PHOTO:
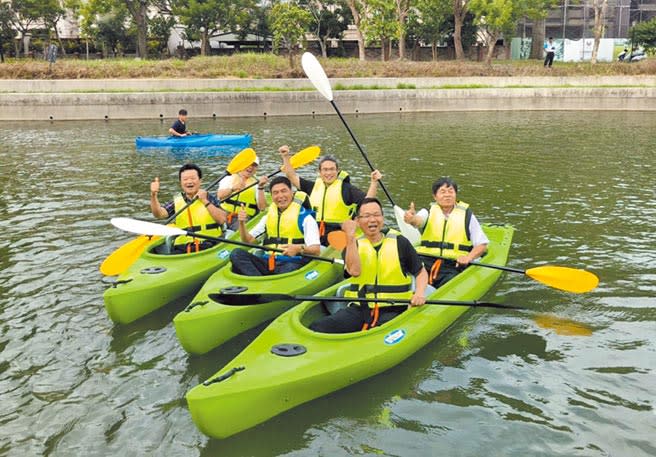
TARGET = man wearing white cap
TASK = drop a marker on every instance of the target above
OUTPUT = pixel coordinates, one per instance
(252, 198)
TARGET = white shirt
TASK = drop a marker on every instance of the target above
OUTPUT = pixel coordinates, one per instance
(228, 183)
(475, 231)
(550, 47)
(310, 230)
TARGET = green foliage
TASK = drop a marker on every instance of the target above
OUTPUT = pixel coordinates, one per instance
(644, 34)
(160, 30)
(429, 21)
(289, 22)
(379, 23)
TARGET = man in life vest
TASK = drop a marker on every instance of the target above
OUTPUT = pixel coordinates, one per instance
(252, 197)
(289, 224)
(381, 264)
(451, 235)
(202, 216)
(332, 195)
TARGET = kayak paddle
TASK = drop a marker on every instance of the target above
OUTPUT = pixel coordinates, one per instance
(119, 260)
(298, 160)
(319, 80)
(258, 299)
(563, 278)
(150, 228)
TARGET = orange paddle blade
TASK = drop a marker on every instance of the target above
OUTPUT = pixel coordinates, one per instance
(563, 326)
(305, 156)
(337, 240)
(119, 260)
(241, 161)
(564, 278)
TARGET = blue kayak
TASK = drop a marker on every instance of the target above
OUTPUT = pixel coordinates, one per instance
(194, 141)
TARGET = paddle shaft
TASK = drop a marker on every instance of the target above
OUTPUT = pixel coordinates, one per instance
(486, 265)
(264, 248)
(392, 301)
(364, 155)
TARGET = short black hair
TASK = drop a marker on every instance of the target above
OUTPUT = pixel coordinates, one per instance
(367, 200)
(444, 180)
(182, 112)
(551, 38)
(328, 158)
(280, 180)
(190, 166)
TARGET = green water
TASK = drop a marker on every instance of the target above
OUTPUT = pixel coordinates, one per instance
(578, 187)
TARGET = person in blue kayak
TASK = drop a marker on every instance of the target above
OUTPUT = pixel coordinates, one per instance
(332, 195)
(289, 224)
(252, 197)
(179, 127)
(202, 216)
(381, 264)
(451, 236)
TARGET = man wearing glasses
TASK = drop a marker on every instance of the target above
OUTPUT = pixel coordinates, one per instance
(332, 195)
(451, 235)
(381, 264)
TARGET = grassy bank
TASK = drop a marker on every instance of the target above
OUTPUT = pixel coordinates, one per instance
(260, 66)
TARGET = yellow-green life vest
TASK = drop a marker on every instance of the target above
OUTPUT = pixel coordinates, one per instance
(201, 220)
(327, 201)
(283, 227)
(447, 237)
(381, 275)
(248, 197)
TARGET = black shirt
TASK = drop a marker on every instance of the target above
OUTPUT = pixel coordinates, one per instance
(410, 262)
(350, 193)
(179, 126)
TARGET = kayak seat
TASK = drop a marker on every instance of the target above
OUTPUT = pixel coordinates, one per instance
(333, 306)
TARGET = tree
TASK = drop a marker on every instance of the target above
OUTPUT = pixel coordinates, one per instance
(460, 9)
(430, 24)
(288, 23)
(7, 33)
(160, 30)
(52, 13)
(139, 11)
(26, 13)
(358, 7)
(402, 8)
(644, 34)
(330, 19)
(599, 7)
(379, 25)
(494, 19)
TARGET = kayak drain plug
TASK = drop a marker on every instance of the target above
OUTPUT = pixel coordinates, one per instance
(288, 350)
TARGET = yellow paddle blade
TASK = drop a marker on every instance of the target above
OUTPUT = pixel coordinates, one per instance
(119, 260)
(241, 161)
(305, 156)
(337, 240)
(563, 326)
(564, 278)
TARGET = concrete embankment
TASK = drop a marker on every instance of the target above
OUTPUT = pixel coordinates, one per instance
(143, 99)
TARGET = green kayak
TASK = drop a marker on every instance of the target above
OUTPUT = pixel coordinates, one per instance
(155, 279)
(205, 324)
(288, 364)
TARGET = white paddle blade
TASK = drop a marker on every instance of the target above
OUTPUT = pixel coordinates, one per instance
(407, 230)
(317, 76)
(144, 228)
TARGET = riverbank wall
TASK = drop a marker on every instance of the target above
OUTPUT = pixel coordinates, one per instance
(147, 98)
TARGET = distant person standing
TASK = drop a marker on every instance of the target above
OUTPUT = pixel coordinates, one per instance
(550, 49)
(179, 127)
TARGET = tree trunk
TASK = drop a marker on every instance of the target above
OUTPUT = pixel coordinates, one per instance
(457, 37)
(537, 45)
(491, 44)
(141, 19)
(434, 51)
(401, 45)
(356, 21)
(600, 7)
(323, 45)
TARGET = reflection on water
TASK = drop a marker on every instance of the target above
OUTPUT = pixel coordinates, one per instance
(578, 187)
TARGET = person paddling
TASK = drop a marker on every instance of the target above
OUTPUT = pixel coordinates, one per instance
(179, 127)
(253, 198)
(332, 195)
(449, 230)
(381, 264)
(203, 215)
(289, 224)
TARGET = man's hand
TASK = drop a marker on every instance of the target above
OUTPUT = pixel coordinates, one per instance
(291, 250)
(409, 215)
(202, 196)
(376, 176)
(154, 186)
(349, 226)
(284, 151)
(417, 300)
(242, 216)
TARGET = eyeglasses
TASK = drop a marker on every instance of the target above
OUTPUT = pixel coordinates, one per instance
(370, 215)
